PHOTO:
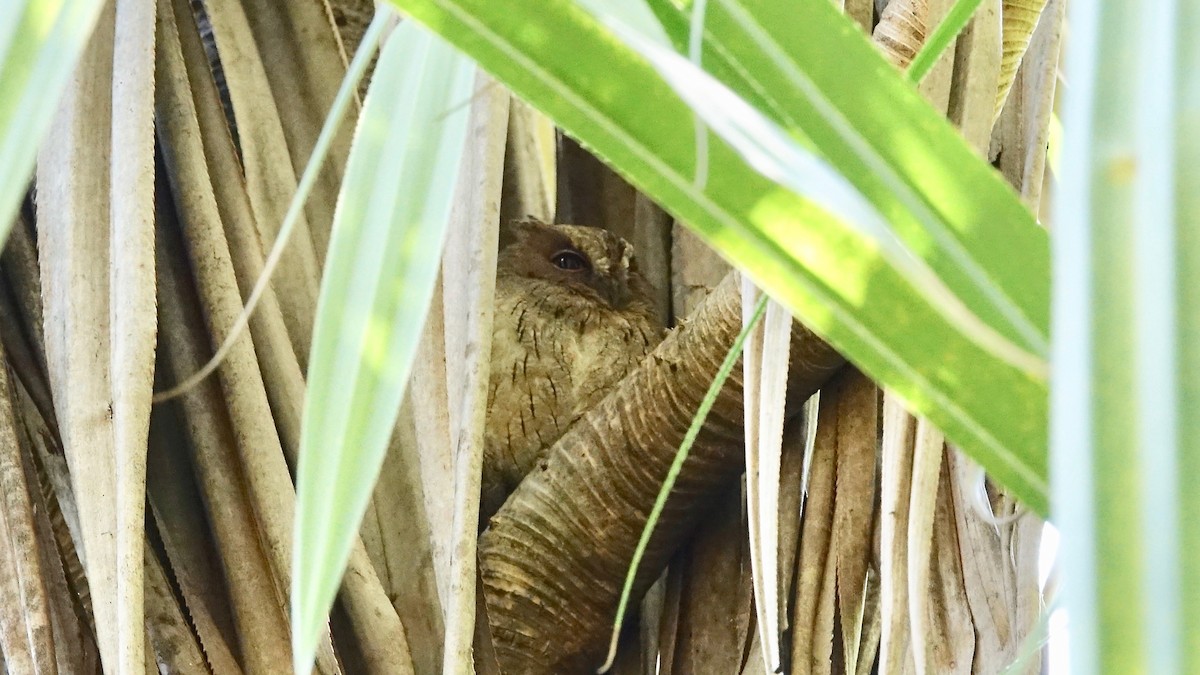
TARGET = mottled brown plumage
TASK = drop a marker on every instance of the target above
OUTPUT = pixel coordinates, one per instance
(573, 316)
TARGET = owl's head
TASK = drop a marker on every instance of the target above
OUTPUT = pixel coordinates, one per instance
(589, 261)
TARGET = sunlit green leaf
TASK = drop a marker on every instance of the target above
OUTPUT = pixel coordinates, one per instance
(379, 278)
(1126, 406)
(945, 206)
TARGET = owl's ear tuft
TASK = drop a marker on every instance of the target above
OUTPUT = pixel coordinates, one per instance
(514, 230)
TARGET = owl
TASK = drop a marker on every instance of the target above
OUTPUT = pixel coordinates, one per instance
(573, 316)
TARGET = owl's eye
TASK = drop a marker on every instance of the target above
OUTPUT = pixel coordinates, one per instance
(569, 260)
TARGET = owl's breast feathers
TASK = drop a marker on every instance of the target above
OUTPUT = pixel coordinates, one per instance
(555, 353)
(553, 358)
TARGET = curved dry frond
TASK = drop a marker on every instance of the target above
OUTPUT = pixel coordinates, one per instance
(1020, 19)
(898, 438)
(259, 617)
(837, 546)
(999, 567)
(58, 531)
(816, 566)
(270, 178)
(169, 633)
(708, 609)
(764, 375)
(901, 30)
(1022, 125)
(304, 62)
(182, 541)
(204, 171)
(26, 634)
(133, 319)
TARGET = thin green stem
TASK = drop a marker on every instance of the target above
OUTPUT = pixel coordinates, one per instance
(946, 32)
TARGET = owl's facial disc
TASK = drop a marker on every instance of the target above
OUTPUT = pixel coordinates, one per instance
(581, 274)
(589, 262)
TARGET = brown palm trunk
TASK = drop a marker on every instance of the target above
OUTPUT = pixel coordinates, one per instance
(554, 558)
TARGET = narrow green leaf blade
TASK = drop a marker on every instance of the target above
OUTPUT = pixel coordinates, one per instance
(1124, 399)
(985, 246)
(1186, 131)
(383, 261)
(40, 42)
(948, 206)
(899, 152)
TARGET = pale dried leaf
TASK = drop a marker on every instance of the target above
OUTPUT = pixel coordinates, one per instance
(976, 76)
(651, 239)
(468, 286)
(1022, 125)
(194, 126)
(425, 418)
(862, 11)
(382, 639)
(241, 380)
(716, 594)
(926, 468)
(823, 628)
(304, 64)
(854, 505)
(951, 638)
(791, 496)
(266, 161)
(811, 640)
(255, 602)
(765, 367)
(935, 86)
(988, 573)
(895, 487)
(396, 532)
(1025, 548)
(57, 527)
(371, 614)
(696, 269)
(669, 621)
(133, 329)
(872, 626)
(650, 624)
(529, 165)
(999, 598)
(73, 180)
(190, 559)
